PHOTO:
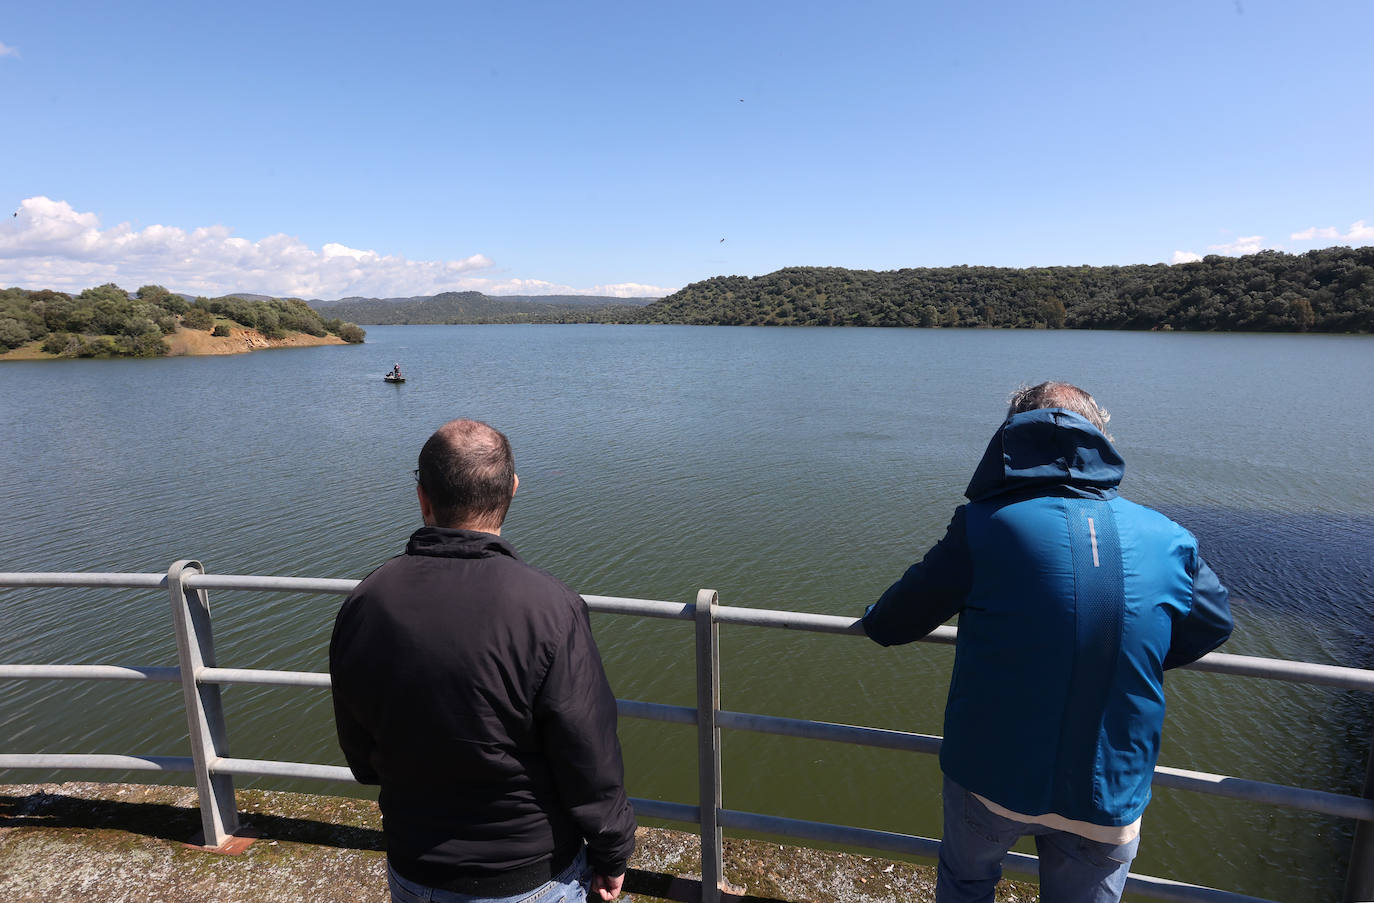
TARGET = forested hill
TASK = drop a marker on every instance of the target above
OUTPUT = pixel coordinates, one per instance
(1330, 290)
(475, 307)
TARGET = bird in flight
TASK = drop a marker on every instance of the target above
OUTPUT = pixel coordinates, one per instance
(721, 239)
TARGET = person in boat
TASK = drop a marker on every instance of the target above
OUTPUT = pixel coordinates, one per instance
(395, 371)
(468, 685)
(1072, 603)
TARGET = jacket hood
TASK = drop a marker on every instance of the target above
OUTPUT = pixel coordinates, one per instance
(445, 542)
(1047, 447)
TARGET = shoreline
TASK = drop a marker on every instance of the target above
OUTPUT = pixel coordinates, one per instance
(196, 343)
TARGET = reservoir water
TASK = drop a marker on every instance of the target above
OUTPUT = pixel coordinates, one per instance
(798, 469)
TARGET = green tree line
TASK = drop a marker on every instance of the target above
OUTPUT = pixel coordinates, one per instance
(107, 321)
(1330, 290)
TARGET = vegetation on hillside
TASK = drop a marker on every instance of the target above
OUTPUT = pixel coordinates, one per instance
(107, 321)
(1330, 290)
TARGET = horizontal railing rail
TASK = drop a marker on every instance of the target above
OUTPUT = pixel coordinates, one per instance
(201, 679)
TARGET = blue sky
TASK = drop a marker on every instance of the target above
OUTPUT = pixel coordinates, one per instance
(533, 147)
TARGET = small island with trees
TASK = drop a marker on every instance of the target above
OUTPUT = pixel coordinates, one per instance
(107, 321)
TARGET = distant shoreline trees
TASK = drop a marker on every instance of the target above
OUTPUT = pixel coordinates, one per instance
(1330, 290)
(107, 321)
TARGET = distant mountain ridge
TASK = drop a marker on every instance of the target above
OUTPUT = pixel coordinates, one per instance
(568, 300)
(474, 307)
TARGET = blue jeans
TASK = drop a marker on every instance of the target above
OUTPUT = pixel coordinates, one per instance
(1073, 869)
(572, 886)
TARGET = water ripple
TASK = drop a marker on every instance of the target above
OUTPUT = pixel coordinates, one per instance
(800, 469)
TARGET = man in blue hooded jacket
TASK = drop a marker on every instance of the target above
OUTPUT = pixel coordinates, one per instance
(1072, 603)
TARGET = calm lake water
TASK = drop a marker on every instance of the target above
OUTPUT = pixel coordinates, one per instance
(800, 469)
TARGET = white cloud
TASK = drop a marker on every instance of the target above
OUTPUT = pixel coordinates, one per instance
(7, 50)
(333, 249)
(628, 290)
(1358, 234)
(1312, 233)
(1250, 244)
(52, 245)
(540, 287)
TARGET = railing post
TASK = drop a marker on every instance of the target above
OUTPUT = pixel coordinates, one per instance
(708, 744)
(1359, 879)
(204, 713)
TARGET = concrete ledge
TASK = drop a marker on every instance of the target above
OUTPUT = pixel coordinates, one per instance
(127, 842)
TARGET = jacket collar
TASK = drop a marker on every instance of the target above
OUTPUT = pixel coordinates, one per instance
(1046, 449)
(443, 542)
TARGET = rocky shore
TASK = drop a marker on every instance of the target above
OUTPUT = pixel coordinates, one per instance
(239, 341)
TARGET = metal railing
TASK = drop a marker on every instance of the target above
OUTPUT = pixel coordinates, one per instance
(201, 678)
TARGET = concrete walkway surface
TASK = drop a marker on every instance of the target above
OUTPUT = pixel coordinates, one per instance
(127, 843)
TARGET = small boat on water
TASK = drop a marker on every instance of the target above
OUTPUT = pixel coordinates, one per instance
(393, 378)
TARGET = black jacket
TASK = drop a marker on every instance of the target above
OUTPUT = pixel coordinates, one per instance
(468, 685)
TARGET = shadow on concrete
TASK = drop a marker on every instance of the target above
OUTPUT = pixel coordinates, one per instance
(180, 823)
(659, 886)
(170, 822)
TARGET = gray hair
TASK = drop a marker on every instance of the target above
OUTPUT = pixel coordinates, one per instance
(1060, 395)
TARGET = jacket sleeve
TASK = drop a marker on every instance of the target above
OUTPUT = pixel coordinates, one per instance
(930, 592)
(576, 718)
(1208, 623)
(356, 744)
(354, 739)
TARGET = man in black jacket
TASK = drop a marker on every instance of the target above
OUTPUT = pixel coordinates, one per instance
(468, 685)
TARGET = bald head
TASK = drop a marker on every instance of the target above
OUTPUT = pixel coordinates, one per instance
(467, 477)
(1060, 395)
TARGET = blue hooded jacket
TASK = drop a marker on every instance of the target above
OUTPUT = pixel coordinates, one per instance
(1072, 602)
